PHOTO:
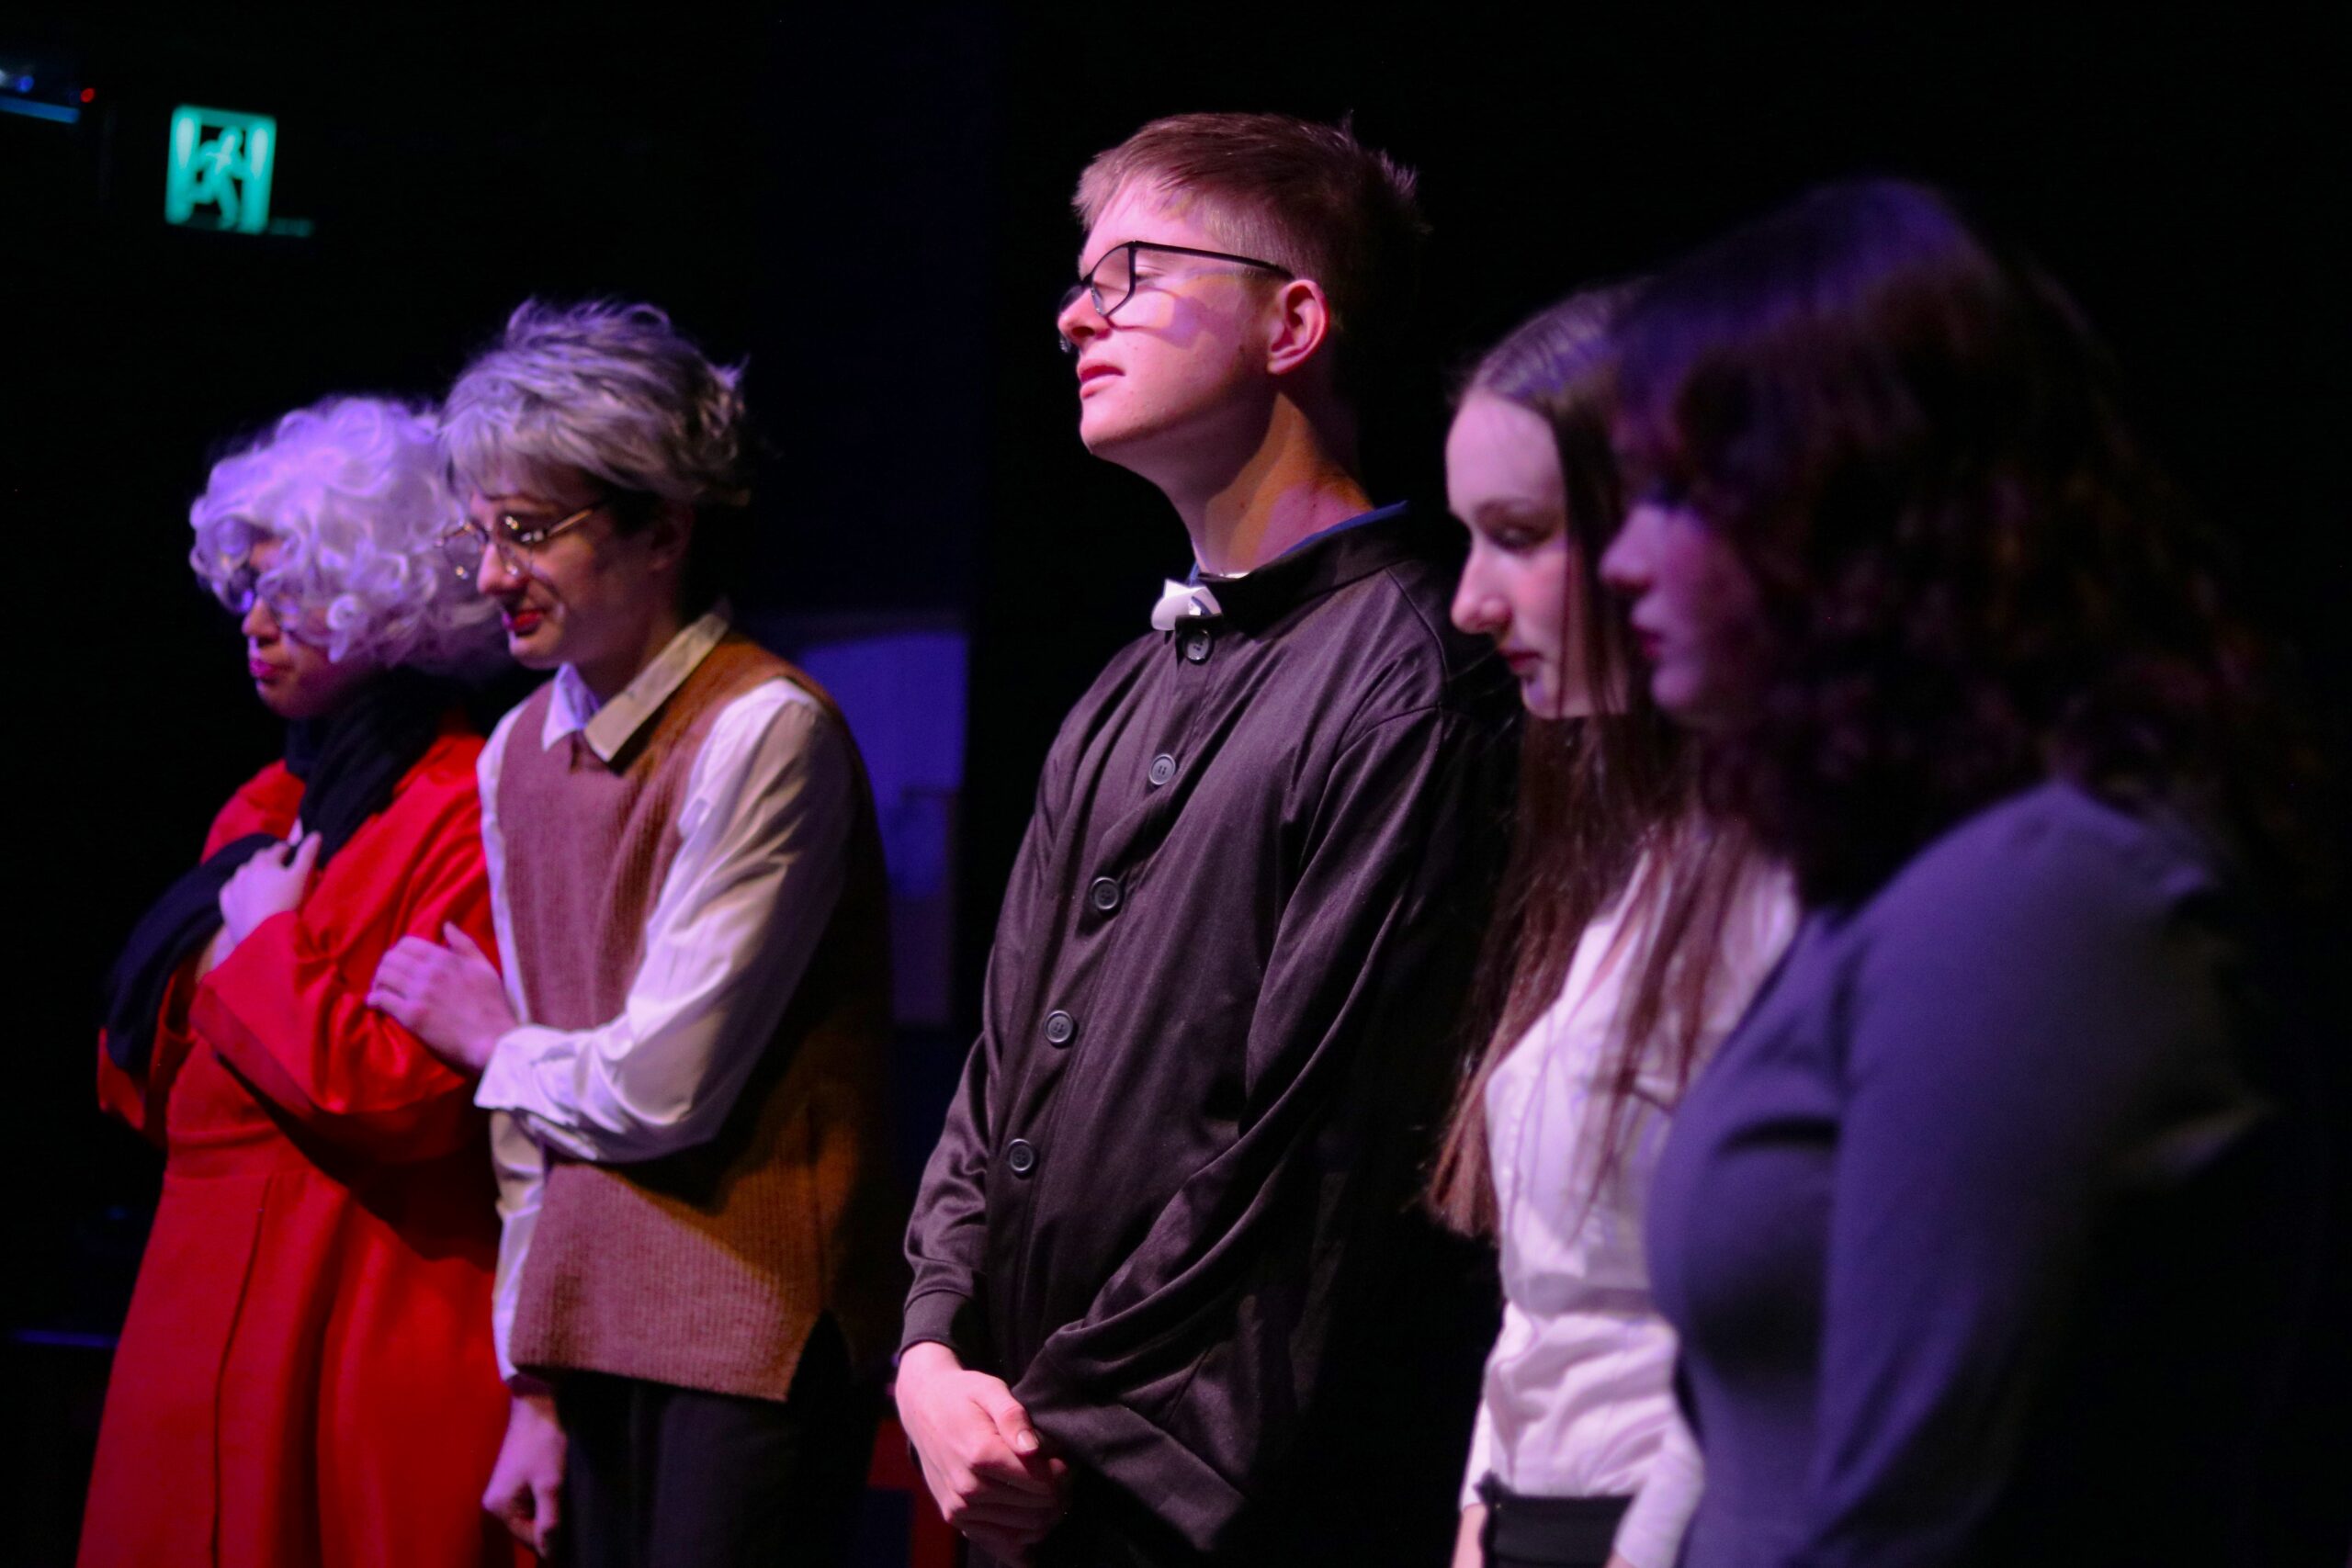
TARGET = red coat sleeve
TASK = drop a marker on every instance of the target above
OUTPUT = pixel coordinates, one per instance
(287, 1009)
(266, 803)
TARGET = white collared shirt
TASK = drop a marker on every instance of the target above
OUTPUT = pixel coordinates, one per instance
(1578, 1399)
(762, 851)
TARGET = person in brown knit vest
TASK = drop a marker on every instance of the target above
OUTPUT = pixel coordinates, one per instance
(687, 1054)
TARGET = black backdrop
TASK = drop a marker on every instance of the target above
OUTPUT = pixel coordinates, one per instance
(871, 204)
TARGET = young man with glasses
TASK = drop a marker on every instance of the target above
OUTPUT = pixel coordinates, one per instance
(1171, 1301)
(687, 1053)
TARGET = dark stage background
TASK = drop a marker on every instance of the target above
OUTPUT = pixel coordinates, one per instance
(870, 204)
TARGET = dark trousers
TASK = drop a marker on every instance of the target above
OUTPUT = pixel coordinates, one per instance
(1547, 1532)
(662, 1477)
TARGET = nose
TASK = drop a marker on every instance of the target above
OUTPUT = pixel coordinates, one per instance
(1625, 564)
(258, 624)
(1079, 321)
(1479, 607)
(494, 575)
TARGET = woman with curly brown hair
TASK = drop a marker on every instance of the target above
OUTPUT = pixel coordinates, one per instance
(1993, 1232)
(1632, 930)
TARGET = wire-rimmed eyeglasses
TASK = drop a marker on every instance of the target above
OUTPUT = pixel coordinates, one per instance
(1111, 282)
(513, 537)
(245, 585)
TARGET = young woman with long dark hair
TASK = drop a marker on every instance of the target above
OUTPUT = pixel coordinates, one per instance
(1993, 1232)
(1631, 931)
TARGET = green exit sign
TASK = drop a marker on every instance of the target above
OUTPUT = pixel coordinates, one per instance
(218, 175)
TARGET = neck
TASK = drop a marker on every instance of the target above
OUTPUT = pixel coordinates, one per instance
(607, 675)
(1295, 482)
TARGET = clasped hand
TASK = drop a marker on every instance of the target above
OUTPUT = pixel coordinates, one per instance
(449, 996)
(271, 882)
(986, 1467)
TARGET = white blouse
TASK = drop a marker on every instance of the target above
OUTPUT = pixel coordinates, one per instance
(1578, 1399)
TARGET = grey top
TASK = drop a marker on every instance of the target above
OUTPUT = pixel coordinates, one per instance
(1984, 1233)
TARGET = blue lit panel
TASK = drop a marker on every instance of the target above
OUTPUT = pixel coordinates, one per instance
(218, 175)
(900, 683)
(40, 84)
(32, 108)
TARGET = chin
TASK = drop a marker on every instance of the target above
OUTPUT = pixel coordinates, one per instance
(1687, 705)
(291, 706)
(1110, 431)
(1101, 436)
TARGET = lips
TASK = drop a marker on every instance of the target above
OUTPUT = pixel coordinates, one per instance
(521, 622)
(1089, 375)
(261, 669)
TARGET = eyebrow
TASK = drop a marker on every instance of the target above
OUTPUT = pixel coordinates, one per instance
(1515, 509)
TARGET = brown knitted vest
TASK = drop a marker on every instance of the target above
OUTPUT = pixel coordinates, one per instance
(705, 1268)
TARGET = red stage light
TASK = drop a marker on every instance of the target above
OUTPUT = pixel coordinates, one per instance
(89, 94)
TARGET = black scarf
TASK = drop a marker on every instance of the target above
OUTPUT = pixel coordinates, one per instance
(349, 763)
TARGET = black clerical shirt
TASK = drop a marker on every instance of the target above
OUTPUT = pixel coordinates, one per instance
(1172, 1203)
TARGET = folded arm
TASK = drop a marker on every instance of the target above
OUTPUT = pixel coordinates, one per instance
(286, 1016)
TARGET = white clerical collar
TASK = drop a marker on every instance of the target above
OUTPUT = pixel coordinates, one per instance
(1180, 602)
(1196, 599)
(608, 726)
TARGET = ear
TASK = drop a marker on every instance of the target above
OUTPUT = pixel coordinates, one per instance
(671, 534)
(1299, 325)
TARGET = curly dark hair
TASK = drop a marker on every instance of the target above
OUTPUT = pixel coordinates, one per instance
(1973, 574)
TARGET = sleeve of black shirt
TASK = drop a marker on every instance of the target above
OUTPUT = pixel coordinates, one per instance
(947, 1238)
(1206, 1358)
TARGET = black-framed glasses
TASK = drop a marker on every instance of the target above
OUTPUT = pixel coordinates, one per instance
(513, 537)
(1111, 281)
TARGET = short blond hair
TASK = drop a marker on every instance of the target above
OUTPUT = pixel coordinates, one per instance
(1306, 195)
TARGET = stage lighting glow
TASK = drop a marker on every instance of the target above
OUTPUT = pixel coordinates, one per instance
(39, 85)
(220, 169)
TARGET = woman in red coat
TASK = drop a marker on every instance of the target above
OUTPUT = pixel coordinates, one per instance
(306, 1375)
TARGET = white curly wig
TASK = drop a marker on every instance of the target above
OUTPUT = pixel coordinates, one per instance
(355, 491)
(611, 389)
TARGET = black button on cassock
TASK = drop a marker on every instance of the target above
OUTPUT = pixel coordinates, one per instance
(1020, 1156)
(1060, 1027)
(1196, 648)
(1104, 894)
(1163, 768)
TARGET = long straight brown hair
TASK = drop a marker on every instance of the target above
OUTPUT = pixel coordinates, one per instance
(1595, 794)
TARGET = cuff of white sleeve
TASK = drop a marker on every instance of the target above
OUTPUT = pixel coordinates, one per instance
(508, 1081)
